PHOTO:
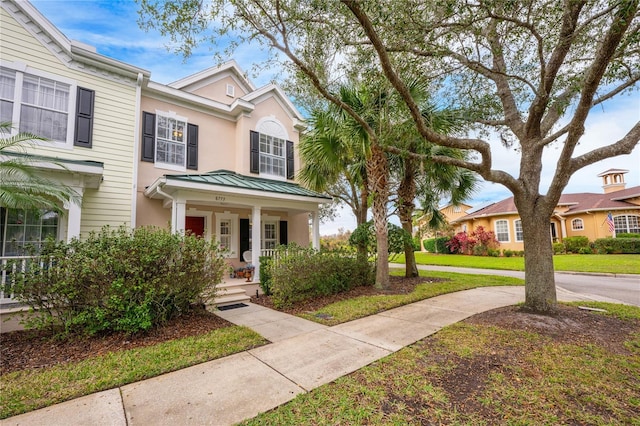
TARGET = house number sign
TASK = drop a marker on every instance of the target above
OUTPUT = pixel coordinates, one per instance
(219, 198)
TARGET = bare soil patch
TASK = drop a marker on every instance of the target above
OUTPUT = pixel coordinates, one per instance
(399, 285)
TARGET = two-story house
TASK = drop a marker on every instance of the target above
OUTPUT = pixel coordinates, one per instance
(218, 158)
(210, 154)
(86, 105)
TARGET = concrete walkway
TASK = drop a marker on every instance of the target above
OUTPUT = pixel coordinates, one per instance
(302, 356)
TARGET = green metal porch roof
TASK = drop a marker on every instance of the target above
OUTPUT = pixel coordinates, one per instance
(234, 180)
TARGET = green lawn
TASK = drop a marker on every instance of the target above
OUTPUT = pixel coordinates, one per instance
(27, 390)
(350, 309)
(601, 263)
(471, 374)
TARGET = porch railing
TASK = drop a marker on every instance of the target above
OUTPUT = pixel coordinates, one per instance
(9, 265)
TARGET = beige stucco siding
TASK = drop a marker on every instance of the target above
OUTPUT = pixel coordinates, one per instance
(217, 90)
(113, 125)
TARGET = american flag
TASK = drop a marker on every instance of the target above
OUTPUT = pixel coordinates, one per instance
(610, 222)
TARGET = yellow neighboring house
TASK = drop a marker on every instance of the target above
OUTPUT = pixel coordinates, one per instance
(582, 214)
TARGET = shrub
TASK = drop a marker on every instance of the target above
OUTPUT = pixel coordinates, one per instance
(493, 252)
(415, 241)
(558, 248)
(617, 245)
(265, 274)
(437, 245)
(627, 235)
(461, 243)
(585, 250)
(397, 238)
(118, 280)
(304, 274)
(478, 243)
(507, 253)
(574, 244)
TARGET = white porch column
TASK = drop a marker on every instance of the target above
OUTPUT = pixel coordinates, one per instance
(179, 209)
(73, 220)
(256, 227)
(74, 216)
(315, 233)
(563, 227)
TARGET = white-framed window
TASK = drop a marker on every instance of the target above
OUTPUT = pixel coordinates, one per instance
(227, 232)
(7, 93)
(457, 209)
(171, 140)
(38, 102)
(517, 225)
(626, 224)
(577, 224)
(231, 90)
(502, 230)
(269, 234)
(24, 231)
(272, 155)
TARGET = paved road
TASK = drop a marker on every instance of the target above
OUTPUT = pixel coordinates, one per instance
(620, 288)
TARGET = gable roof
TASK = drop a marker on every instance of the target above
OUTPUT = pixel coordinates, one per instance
(577, 203)
(214, 73)
(70, 52)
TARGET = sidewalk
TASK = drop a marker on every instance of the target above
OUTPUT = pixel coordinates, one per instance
(303, 355)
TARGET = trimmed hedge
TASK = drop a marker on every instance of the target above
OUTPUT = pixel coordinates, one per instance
(575, 244)
(617, 245)
(437, 245)
(305, 273)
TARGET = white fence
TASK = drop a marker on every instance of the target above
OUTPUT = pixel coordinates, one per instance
(9, 265)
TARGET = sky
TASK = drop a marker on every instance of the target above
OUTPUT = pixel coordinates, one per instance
(111, 26)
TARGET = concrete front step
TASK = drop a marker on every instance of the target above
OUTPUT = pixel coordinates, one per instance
(231, 299)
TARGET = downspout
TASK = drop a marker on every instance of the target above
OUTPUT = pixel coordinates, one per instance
(136, 151)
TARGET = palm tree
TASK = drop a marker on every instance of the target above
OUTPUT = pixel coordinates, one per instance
(431, 181)
(340, 151)
(21, 186)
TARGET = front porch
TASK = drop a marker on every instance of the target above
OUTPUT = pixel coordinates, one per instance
(245, 214)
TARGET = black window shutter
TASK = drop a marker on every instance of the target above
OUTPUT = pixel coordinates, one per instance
(192, 147)
(291, 173)
(84, 117)
(254, 152)
(148, 136)
(284, 239)
(244, 236)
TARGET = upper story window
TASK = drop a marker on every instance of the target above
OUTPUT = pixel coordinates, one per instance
(37, 102)
(502, 231)
(171, 140)
(44, 109)
(577, 225)
(457, 209)
(272, 156)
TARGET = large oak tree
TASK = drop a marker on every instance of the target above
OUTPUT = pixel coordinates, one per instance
(528, 73)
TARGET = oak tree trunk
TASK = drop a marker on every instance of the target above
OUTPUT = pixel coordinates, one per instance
(540, 286)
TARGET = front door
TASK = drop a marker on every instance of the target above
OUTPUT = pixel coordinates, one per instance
(195, 224)
(554, 233)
